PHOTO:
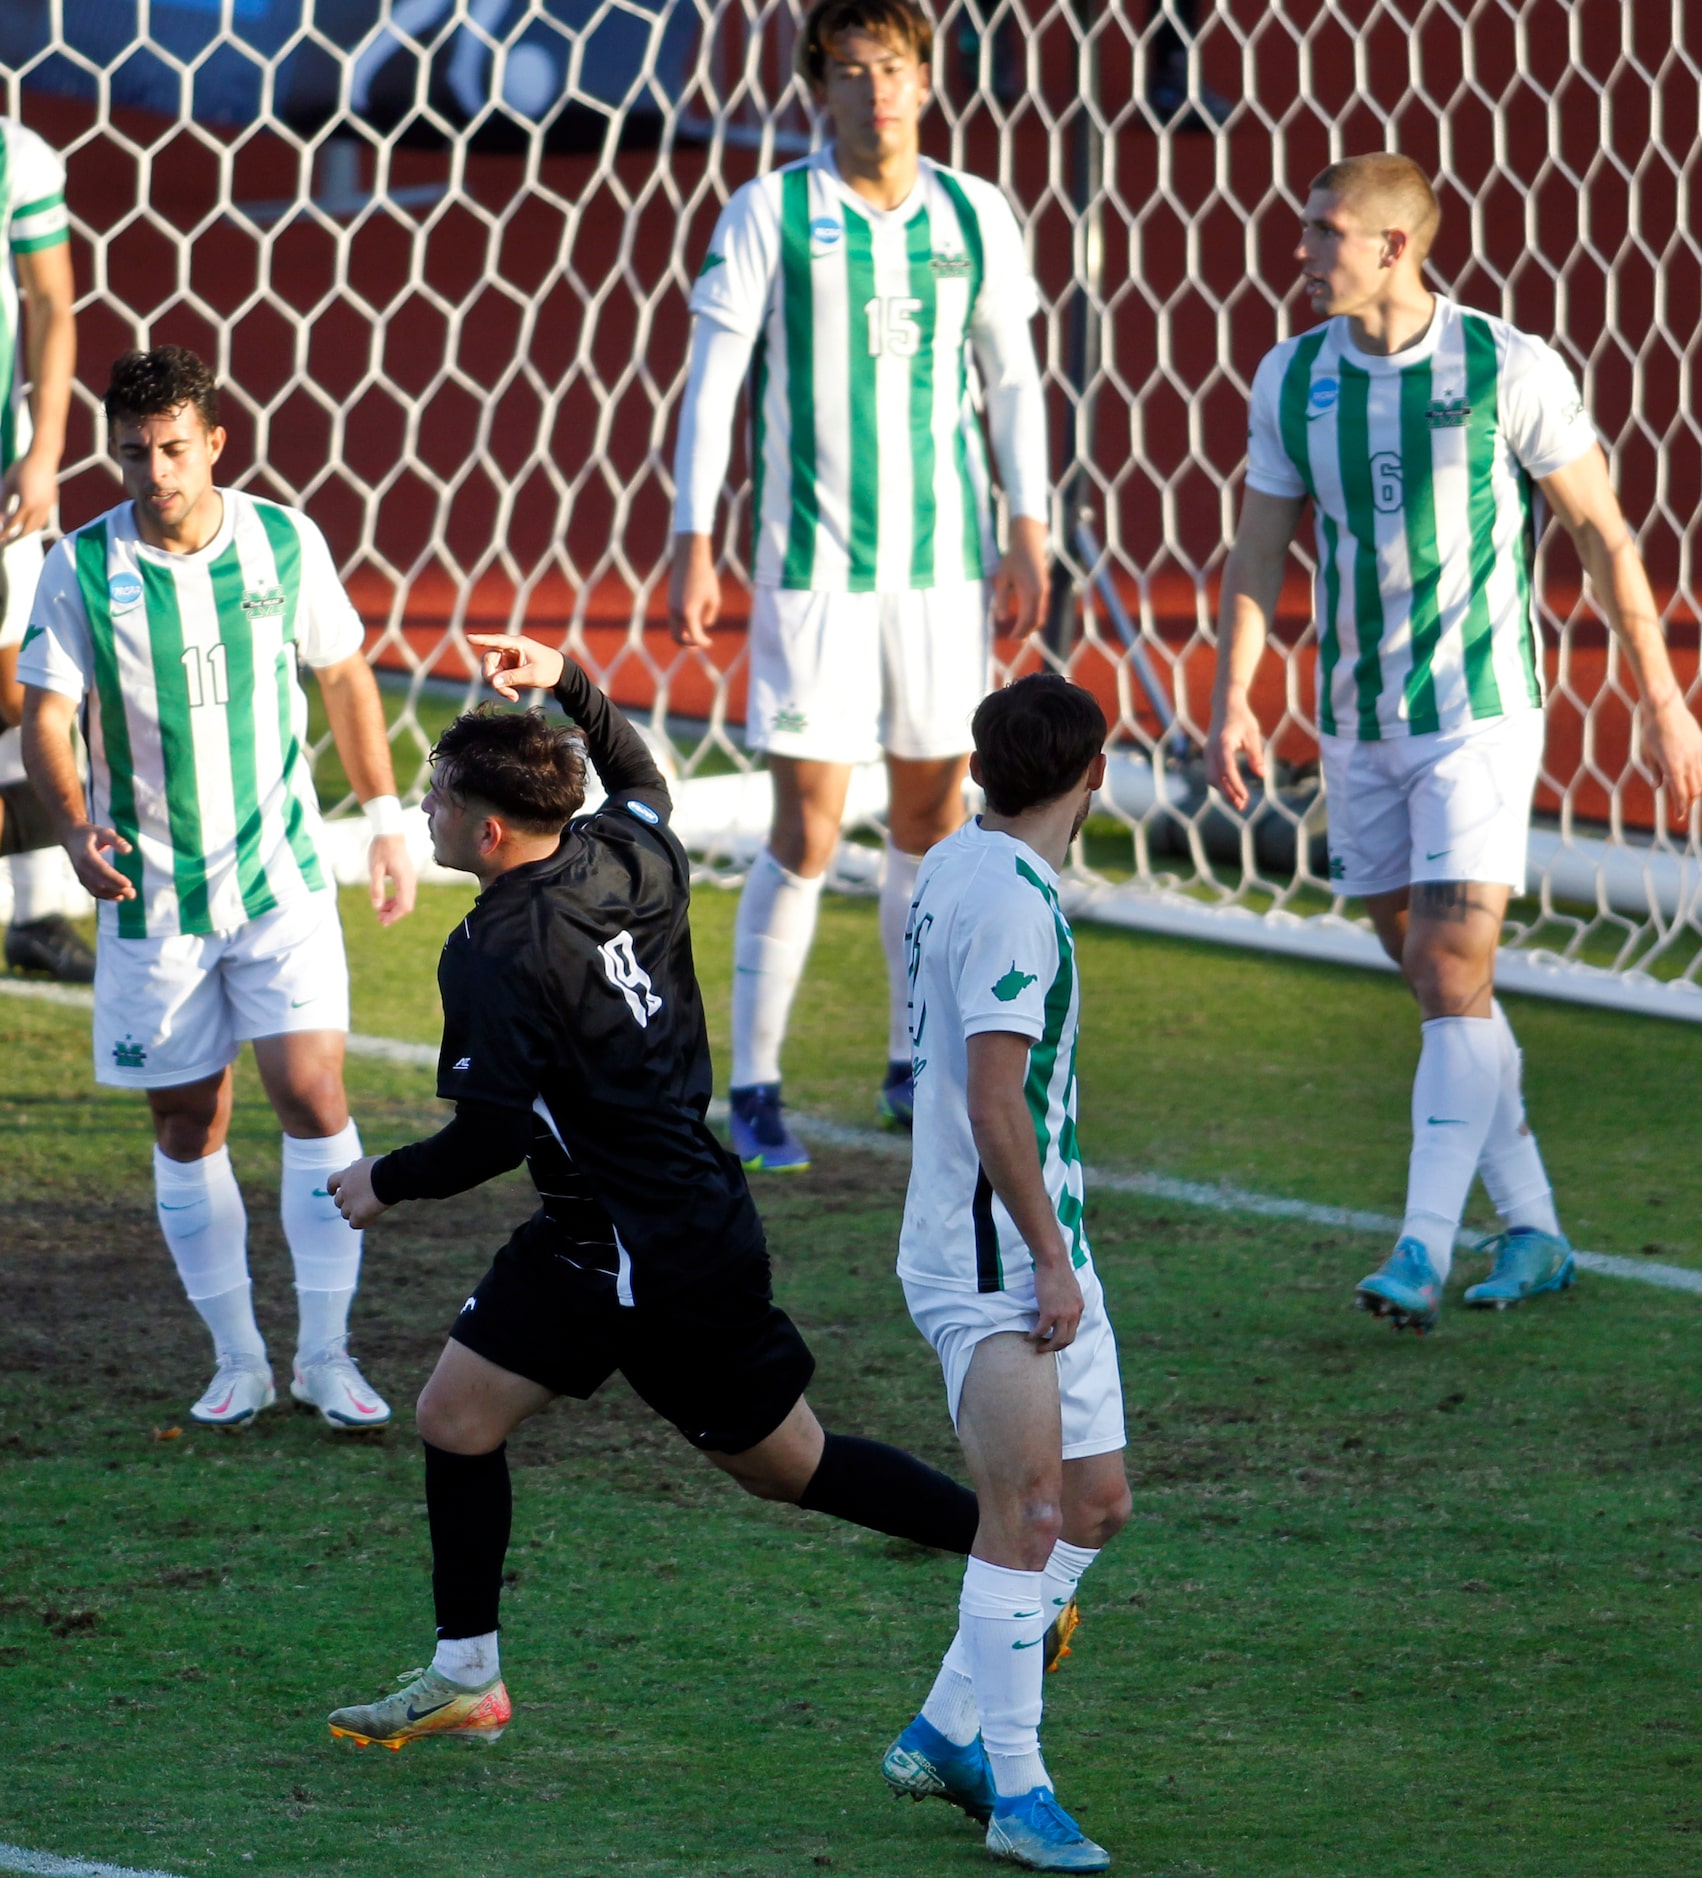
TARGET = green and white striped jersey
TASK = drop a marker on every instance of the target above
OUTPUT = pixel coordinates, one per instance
(1420, 468)
(870, 471)
(32, 200)
(195, 717)
(989, 949)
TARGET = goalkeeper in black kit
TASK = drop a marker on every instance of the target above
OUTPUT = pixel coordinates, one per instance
(574, 1038)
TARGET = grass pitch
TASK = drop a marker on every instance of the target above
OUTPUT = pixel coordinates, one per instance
(1385, 1605)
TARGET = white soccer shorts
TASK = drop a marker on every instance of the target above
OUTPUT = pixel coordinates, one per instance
(178, 1008)
(20, 564)
(1450, 805)
(840, 677)
(1090, 1390)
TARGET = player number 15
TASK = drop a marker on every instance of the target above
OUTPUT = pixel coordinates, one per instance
(893, 328)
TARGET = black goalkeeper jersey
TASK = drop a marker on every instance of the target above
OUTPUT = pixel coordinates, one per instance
(572, 1015)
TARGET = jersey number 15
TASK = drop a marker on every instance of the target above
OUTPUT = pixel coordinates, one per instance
(893, 328)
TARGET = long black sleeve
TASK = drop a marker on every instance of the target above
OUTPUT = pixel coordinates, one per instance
(618, 754)
(481, 1141)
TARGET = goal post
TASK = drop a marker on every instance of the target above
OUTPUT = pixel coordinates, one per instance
(439, 252)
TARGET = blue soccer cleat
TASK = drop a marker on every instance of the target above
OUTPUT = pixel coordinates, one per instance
(924, 1765)
(1527, 1263)
(761, 1139)
(1405, 1289)
(897, 1099)
(1034, 1830)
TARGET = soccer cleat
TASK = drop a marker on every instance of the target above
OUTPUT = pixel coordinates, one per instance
(1034, 1830)
(924, 1765)
(328, 1381)
(1527, 1263)
(1404, 1289)
(1056, 1644)
(897, 1099)
(51, 945)
(240, 1389)
(426, 1704)
(761, 1139)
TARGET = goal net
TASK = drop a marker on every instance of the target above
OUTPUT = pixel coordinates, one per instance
(440, 251)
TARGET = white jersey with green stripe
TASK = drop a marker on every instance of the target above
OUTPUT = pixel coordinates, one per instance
(989, 949)
(870, 470)
(195, 717)
(32, 200)
(1419, 466)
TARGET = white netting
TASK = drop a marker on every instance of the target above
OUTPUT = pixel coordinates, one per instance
(440, 251)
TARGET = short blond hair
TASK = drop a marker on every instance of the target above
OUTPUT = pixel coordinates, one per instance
(1387, 189)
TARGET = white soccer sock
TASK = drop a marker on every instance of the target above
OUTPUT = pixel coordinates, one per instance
(324, 1248)
(898, 887)
(1001, 1619)
(1511, 1164)
(1063, 1573)
(1453, 1103)
(468, 1661)
(205, 1224)
(950, 1706)
(38, 881)
(771, 940)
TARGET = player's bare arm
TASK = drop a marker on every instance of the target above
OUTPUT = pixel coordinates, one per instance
(355, 712)
(1022, 581)
(694, 591)
(514, 665)
(1003, 1128)
(1252, 583)
(1582, 497)
(48, 718)
(48, 292)
(352, 1190)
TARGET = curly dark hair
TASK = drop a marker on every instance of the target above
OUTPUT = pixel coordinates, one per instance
(1035, 739)
(526, 768)
(900, 24)
(156, 383)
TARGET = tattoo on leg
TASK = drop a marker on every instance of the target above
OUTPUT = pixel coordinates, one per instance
(1451, 901)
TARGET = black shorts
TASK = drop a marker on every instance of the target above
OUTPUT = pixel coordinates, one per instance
(720, 1360)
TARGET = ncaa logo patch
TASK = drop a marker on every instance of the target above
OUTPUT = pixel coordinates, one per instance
(645, 813)
(1322, 397)
(124, 591)
(825, 233)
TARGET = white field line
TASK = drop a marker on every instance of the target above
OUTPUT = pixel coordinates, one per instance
(1212, 1198)
(16, 1858)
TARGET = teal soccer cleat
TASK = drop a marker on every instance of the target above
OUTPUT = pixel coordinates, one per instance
(1405, 1289)
(1527, 1263)
(1034, 1830)
(923, 1765)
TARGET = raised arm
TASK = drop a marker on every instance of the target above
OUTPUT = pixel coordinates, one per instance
(1252, 582)
(1003, 1128)
(1582, 497)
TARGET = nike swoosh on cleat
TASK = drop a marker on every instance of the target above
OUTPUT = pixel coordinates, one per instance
(419, 1714)
(219, 1408)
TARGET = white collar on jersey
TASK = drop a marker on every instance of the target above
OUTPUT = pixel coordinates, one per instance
(975, 831)
(1374, 362)
(824, 161)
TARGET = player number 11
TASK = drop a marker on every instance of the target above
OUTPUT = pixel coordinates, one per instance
(208, 680)
(893, 328)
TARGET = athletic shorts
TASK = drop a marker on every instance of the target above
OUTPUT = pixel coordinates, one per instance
(1090, 1390)
(720, 1360)
(840, 677)
(20, 571)
(1450, 805)
(178, 1008)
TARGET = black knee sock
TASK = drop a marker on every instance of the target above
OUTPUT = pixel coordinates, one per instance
(890, 1491)
(470, 1508)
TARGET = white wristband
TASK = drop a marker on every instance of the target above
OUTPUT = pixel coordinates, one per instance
(383, 815)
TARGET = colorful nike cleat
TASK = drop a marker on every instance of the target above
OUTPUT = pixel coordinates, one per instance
(1034, 1830)
(328, 1381)
(427, 1704)
(761, 1139)
(897, 1099)
(1527, 1263)
(240, 1389)
(1056, 1645)
(924, 1765)
(1404, 1289)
